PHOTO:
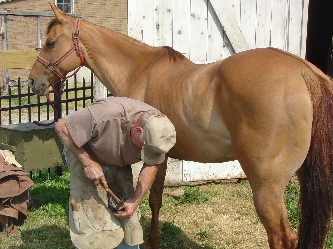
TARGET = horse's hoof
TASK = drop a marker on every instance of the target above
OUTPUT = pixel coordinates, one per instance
(145, 245)
(148, 245)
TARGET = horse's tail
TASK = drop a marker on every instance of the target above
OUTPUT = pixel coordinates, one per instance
(316, 173)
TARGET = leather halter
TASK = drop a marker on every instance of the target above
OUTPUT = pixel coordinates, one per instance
(53, 66)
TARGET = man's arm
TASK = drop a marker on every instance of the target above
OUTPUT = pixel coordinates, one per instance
(92, 169)
(146, 178)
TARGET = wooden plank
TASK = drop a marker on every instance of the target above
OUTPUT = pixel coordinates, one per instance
(262, 34)
(134, 20)
(198, 31)
(163, 19)
(234, 10)
(141, 21)
(174, 172)
(248, 21)
(304, 27)
(20, 59)
(234, 7)
(229, 25)
(193, 171)
(295, 27)
(181, 26)
(279, 24)
(218, 44)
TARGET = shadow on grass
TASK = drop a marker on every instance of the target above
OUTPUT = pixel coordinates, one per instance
(171, 236)
(50, 237)
(41, 195)
(50, 198)
(54, 237)
(53, 190)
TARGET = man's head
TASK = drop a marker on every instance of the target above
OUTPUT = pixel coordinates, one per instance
(155, 134)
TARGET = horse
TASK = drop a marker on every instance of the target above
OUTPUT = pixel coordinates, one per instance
(270, 110)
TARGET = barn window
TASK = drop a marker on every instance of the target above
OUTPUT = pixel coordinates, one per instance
(67, 6)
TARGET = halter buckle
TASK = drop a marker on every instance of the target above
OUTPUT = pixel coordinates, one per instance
(52, 67)
(76, 34)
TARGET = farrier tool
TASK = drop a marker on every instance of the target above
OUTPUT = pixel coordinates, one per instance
(114, 202)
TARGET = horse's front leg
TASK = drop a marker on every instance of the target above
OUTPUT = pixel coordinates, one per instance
(155, 203)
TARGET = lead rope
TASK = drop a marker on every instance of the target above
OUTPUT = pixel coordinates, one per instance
(55, 112)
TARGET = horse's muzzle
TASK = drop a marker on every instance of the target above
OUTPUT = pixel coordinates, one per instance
(30, 82)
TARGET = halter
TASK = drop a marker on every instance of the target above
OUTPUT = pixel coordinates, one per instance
(52, 66)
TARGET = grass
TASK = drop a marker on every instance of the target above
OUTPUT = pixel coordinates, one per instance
(212, 216)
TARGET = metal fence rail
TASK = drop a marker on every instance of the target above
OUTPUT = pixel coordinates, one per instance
(20, 105)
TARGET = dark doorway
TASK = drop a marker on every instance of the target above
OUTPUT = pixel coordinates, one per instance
(319, 34)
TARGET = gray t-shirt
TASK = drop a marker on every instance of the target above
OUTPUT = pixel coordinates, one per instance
(105, 127)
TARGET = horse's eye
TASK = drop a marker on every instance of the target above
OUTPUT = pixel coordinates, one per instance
(50, 43)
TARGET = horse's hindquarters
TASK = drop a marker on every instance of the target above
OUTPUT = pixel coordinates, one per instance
(268, 111)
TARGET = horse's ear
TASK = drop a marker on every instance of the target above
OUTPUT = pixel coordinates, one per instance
(58, 13)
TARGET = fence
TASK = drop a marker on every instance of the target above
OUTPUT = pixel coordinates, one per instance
(20, 105)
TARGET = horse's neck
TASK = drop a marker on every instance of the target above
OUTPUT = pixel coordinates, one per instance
(113, 57)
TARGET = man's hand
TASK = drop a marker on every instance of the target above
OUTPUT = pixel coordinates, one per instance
(126, 210)
(94, 172)
(145, 180)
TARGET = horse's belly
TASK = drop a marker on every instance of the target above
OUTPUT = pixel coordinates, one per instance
(205, 147)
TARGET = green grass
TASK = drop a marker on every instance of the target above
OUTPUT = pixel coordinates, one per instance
(291, 202)
(47, 222)
(193, 195)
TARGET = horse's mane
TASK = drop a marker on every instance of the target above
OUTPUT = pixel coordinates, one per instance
(174, 54)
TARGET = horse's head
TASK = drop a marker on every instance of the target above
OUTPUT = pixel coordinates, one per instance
(60, 54)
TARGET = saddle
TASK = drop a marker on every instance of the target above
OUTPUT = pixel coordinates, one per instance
(14, 195)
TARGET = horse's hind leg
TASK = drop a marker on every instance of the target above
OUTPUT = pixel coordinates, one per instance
(269, 203)
(268, 176)
(269, 161)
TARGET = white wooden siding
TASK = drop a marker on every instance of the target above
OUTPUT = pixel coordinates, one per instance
(196, 29)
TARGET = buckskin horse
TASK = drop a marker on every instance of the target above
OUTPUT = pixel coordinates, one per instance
(270, 110)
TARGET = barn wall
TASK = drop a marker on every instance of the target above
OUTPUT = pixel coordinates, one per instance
(22, 31)
(195, 29)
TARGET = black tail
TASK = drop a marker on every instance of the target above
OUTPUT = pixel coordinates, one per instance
(316, 173)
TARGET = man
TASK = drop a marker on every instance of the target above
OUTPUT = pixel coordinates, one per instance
(116, 132)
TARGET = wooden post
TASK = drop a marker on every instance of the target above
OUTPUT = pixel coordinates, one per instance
(39, 35)
(99, 90)
(5, 77)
